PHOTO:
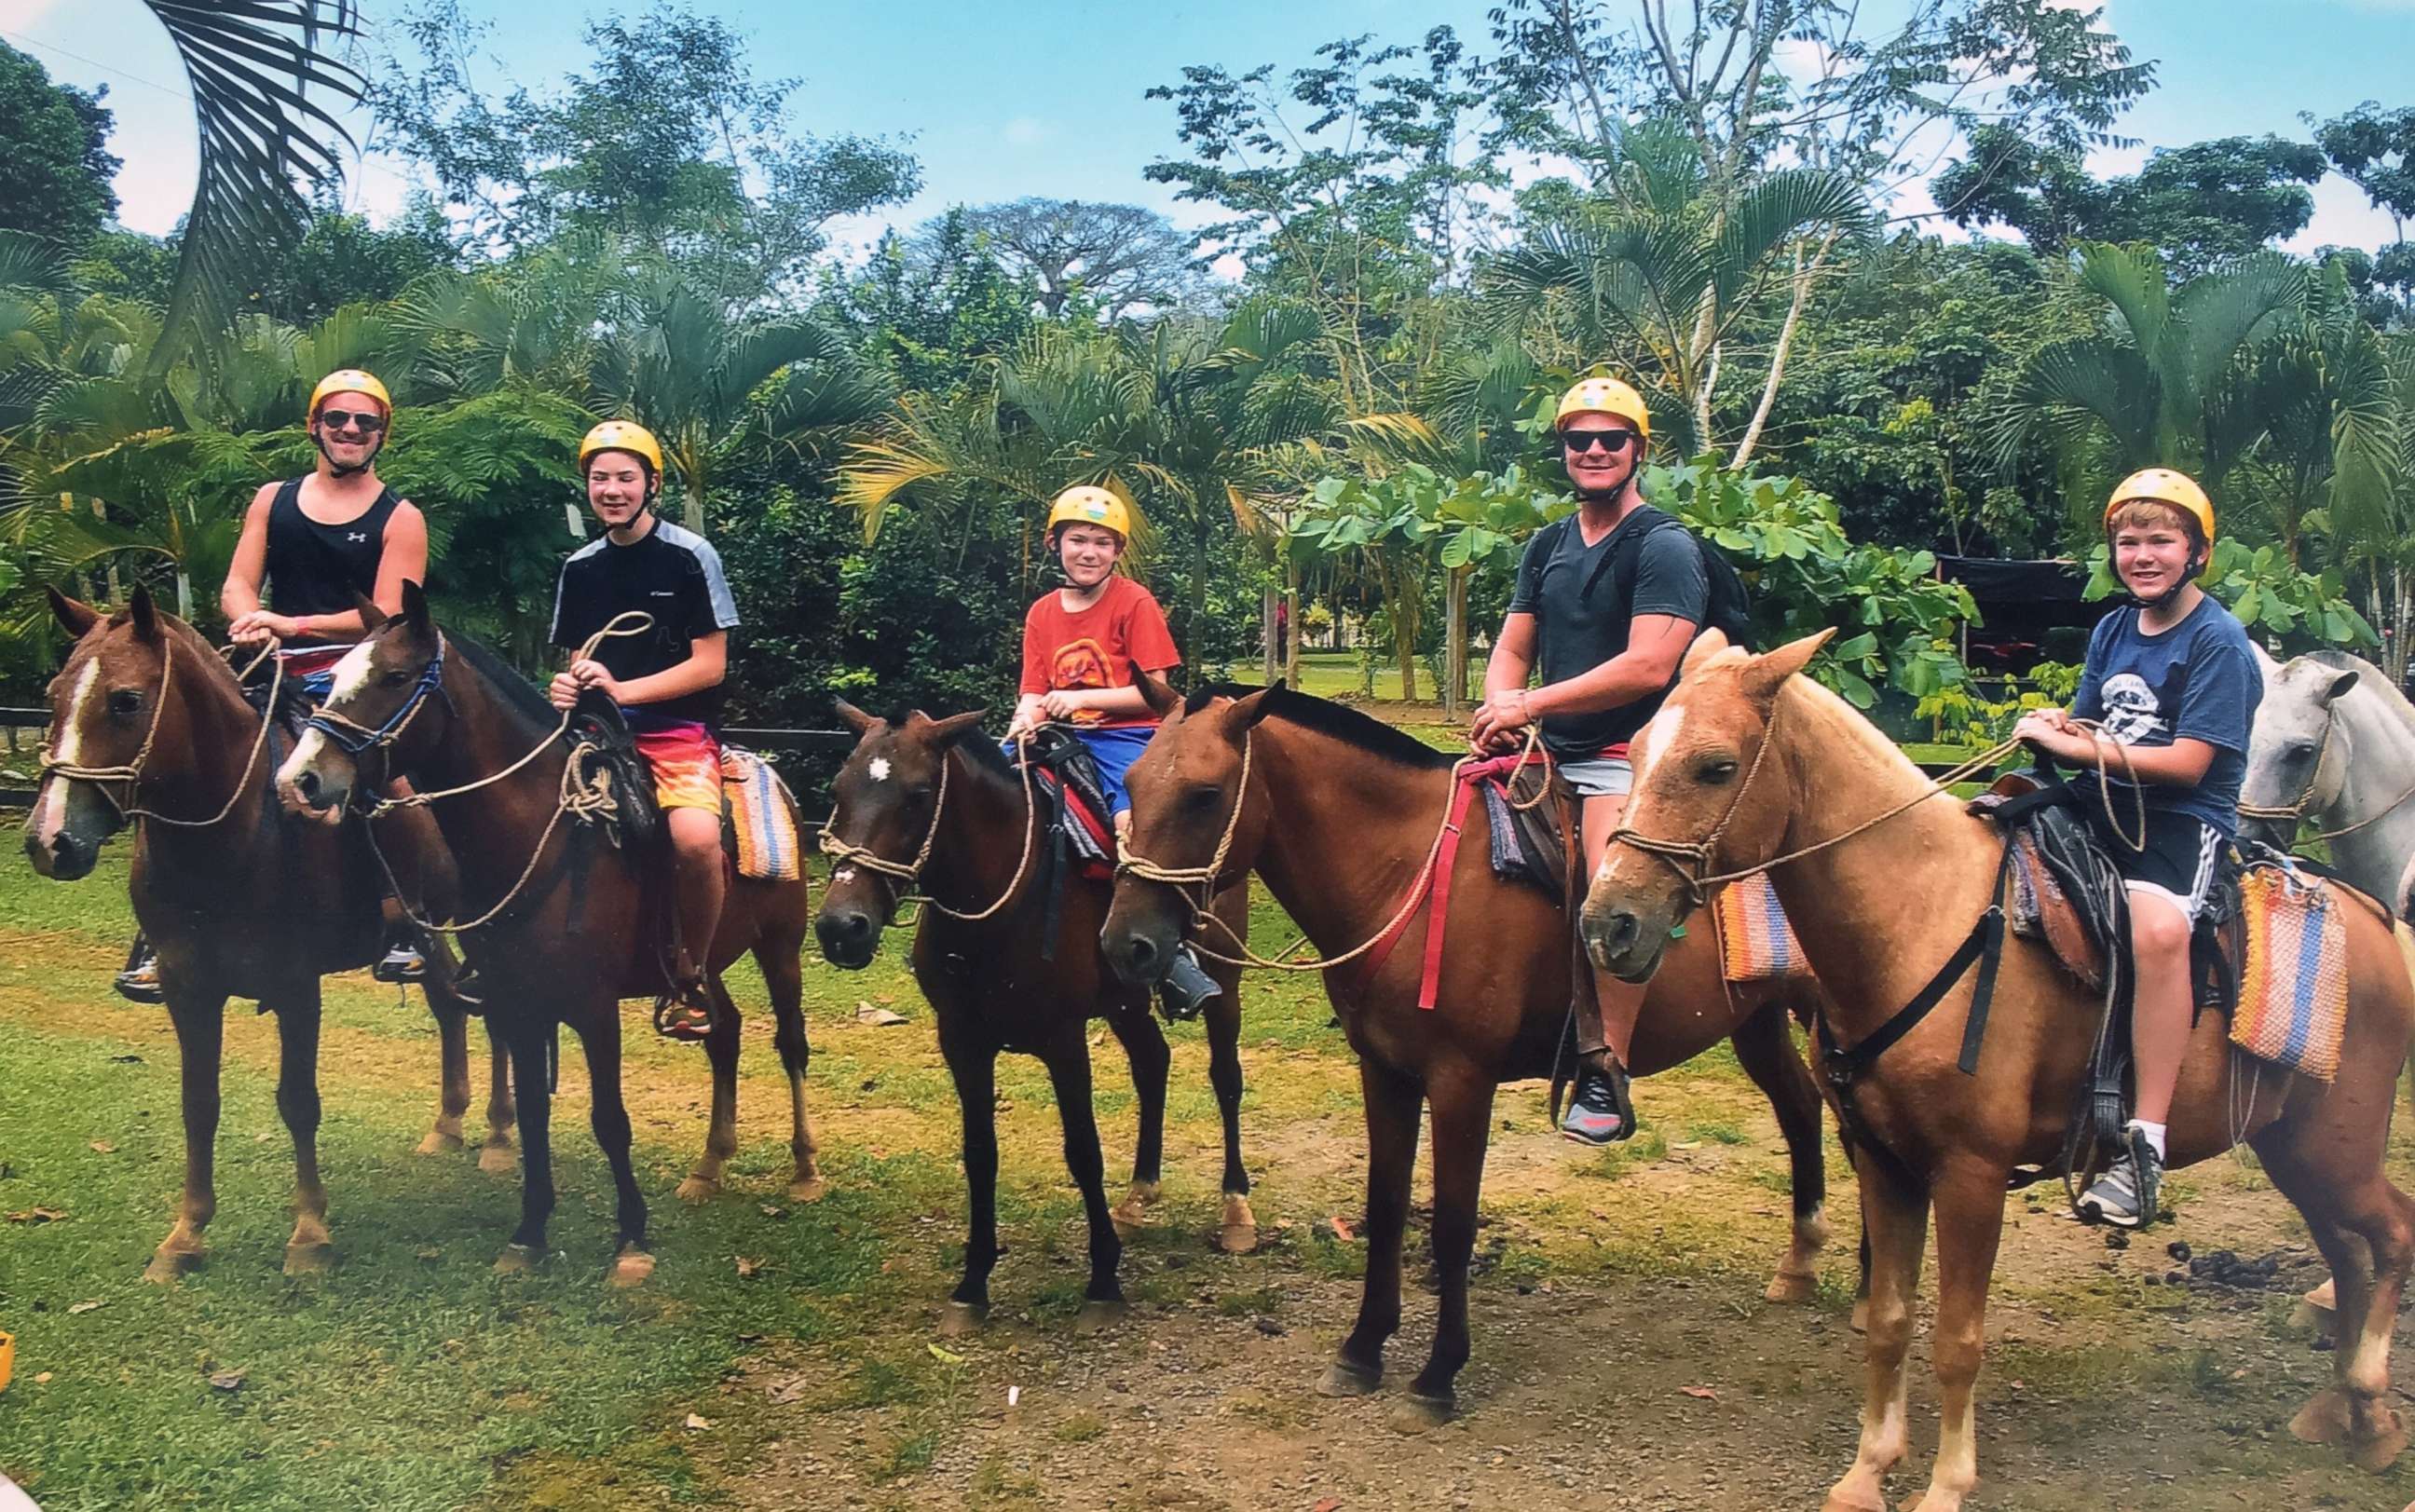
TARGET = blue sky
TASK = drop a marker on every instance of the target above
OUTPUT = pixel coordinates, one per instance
(1046, 97)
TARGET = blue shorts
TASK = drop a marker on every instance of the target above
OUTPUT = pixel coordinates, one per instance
(1113, 752)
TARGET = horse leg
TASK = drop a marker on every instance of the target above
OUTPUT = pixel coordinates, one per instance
(311, 1248)
(200, 1020)
(1764, 1046)
(1145, 1046)
(453, 1073)
(721, 1130)
(779, 960)
(1394, 1100)
(2365, 1228)
(531, 1036)
(972, 1062)
(599, 1035)
(1236, 1229)
(1894, 1224)
(1068, 1060)
(1463, 1120)
(495, 1153)
(1969, 1201)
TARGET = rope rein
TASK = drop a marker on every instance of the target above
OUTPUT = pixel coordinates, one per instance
(910, 873)
(1205, 878)
(130, 773)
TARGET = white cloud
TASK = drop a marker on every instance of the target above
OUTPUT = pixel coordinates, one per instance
(1024, 131)
(2343, 216)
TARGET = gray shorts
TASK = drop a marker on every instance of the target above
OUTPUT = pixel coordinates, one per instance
(1599, 777)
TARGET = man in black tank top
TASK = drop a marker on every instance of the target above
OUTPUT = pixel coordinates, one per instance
(312, 543)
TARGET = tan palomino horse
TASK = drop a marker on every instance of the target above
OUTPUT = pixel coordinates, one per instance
(1749, 765)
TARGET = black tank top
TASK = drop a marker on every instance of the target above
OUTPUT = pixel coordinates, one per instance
(315, 568)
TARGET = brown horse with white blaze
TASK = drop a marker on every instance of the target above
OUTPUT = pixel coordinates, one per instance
(1750, 766)
(930, 803)
(561, 923)
(146, 719)
(1336, 813)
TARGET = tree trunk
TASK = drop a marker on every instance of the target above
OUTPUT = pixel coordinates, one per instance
(1266, 601)
(1454, 657)
(1804, 272)
(1291, 598)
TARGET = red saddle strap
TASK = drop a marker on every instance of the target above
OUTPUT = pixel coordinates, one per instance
(1433, 900)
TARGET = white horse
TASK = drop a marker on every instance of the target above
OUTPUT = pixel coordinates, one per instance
(2333, 747)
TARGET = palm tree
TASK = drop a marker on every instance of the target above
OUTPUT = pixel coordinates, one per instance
(2149, 389)
(252, 65)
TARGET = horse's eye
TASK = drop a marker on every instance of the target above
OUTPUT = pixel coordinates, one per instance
(1202, 800)
(125, 700)
(1714, 772)
(394, 676)
(2302, 749)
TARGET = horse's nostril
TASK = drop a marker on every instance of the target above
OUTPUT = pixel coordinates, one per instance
(307, 783)
(1143, 951)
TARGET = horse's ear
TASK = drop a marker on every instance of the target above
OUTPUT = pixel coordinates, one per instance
(371, 616)
(1712, 641)
(853, 717)
(414, 604)
(1764, 675)
(73, 616)
(948, 731)
(1163, 699)
(2340, 684)
(1246, 713)
(147, 617)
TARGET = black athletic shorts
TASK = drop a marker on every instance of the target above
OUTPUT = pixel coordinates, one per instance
(2176, 862)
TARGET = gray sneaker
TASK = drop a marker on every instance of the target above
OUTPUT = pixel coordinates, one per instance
(1594, 1115)
(2124, 1196)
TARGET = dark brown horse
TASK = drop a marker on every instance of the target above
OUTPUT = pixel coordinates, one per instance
(1338, 817)
(570, 932)
(1749, 765)
(238, 901)
(934, 797)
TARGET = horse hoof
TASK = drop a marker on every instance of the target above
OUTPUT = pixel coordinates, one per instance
(1344, 1379)
(1128, 1226)
(630, 1267)
(439, 1143)
(1790, 1289)
(697, 1190)
(517, 1260)
(1237, 1238)
(1417, 1412)
(2322, 1420)
(2317, 1312)
(1098, 1316)
(169, 1266)
(957, 1319)
(1860, 1322)
(1840, 1501)
(497, 1160)
(310, 1259)
(808, 1190)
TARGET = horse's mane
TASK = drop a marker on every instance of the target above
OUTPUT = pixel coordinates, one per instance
(2368, 677)
(1339, 722)
(518, 693)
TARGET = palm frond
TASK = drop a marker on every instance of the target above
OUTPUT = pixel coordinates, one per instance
(1791, 203)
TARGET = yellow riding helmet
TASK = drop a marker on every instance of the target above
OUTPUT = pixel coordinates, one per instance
(1089, 504)
(350, 381)
(1605, 395)
(2164, 486)
(622, 436)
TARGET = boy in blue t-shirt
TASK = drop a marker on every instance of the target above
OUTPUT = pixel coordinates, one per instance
(2172, 682)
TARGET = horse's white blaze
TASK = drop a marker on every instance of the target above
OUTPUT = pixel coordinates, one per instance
(70, 744)
(1644, 755)
(306, 751)
(879, 768)
(352, 673)
(844, 873)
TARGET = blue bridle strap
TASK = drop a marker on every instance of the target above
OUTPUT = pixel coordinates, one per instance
(357, 739)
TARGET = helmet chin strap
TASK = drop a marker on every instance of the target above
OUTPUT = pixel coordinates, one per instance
(318, 439)
(2196, 563)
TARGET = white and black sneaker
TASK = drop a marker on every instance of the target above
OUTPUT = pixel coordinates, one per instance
(2124, 1196)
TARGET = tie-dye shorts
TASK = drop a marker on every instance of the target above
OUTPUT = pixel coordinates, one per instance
(686, 762)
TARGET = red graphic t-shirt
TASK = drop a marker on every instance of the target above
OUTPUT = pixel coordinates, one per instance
(1097, 647)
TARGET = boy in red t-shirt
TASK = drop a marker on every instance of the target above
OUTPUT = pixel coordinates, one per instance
(1080, 643)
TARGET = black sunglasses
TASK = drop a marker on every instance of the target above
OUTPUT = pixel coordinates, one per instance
(367, 421)
(1613, 440)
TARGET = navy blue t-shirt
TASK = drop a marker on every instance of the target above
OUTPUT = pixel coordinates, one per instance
(2197, 680)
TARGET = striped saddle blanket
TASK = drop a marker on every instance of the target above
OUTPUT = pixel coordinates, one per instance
(761, 816)
(2293, 973)
(1755, 941)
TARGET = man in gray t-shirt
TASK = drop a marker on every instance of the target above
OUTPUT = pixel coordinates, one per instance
(1607, 602)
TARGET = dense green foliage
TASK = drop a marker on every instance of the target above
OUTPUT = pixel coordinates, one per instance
(54, 160)
(1360, 422)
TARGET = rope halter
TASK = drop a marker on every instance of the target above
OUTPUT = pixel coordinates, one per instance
(356, 739)
(130, 775)
(910, 873)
